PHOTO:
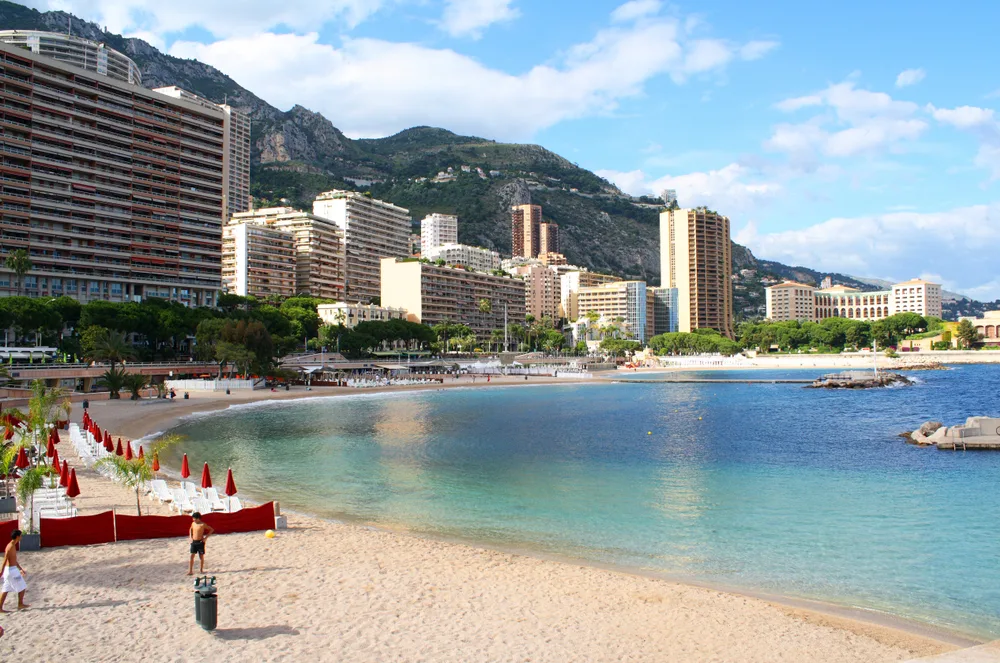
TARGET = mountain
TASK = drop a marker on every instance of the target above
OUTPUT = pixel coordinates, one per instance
(299, 153)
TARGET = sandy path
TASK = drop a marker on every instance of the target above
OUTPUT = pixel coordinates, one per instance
(324, 591)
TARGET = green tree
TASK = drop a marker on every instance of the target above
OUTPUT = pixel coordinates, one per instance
(135, 474)
(113, 380)
(967, 335)
(135, 383)
(19, 262)
(107, 346)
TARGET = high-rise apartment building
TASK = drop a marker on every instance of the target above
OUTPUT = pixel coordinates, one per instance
(548, 238)
(372, 230)
(541, 291)
(622, 303)
(432, 294)
(462, 255)
(569, 288)
(319, 248)
(114, 190)
(437, 230)
(525, 230)
(258, 260)
(236, 146)
(696, 259)
(81, 53)
(917, 296)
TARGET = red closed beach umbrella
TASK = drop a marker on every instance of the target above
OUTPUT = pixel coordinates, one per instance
(156, 463)
(22, 459)
(140, 451)
(64, 475)
(185, 470)
(118, 450)
(55, 458)
(230, 484)
(50, 448)
(110, 448)
(73, 489)
(9, 434)
(206, 477)
(128, 450)
(55, 436)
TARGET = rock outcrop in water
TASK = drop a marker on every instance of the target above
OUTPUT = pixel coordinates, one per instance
(859, 380)
(975, 433)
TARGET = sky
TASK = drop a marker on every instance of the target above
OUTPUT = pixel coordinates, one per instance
(856, 137)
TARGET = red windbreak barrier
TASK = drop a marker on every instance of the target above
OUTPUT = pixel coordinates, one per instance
(246, 520)
(78, 531)
(131, 528)
(6, 528)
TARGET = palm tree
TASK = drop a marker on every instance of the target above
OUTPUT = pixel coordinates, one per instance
(114, 380)
(485, 308)
(135, 383)
(19, 262)
(138, 472)
(112, 347)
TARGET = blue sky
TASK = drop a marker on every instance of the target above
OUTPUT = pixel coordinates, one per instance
(859, 137)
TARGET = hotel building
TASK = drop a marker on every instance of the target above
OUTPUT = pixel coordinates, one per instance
(664, 310)
(372, 230)
(622, 300)
(115, 191)
(797, 301)
(791, 301)
(548, 239)
(569, 288)
(258, 260)
(319, 248)
(696, 259)
(432, 294)
(349, 315)
(437, 230)
(462, 255)
(236, 146)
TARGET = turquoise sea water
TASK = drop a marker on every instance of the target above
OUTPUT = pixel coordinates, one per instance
(774, 488)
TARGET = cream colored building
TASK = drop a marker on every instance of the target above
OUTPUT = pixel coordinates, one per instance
(548, 238)
(437, 230)
(372, 230)
(791, 301)
(541, 291)
(696, 259)
(349, 315)
(319, 248)
(432, 294)
(622, 300)
(525, 230)
(569, 288)
(917, 296)
(257, 260)
(551, 259)
(462, 255)
(840, 301)
(988, 327)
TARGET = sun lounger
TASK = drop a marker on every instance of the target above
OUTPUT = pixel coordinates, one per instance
(181, 501)
(212, 497)
(189, 489)
(159, 490)
(201, 505)
(235, 504)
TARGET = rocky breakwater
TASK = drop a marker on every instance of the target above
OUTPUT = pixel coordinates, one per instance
(859, 380)
(975, 433)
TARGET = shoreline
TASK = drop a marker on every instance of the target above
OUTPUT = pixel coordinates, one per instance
(853, 619)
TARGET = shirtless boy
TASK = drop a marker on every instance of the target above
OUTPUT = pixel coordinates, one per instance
(12, 573)
(199, 533)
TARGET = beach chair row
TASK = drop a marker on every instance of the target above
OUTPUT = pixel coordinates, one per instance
(188, 499)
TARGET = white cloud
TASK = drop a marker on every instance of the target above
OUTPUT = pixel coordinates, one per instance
(982, 123)
(372, 87)
(221, 18)
(755, 50)
(468, 18)
(894, 245)
(910, 77)
(735, 188)
(635, 9)
(855, 122)
(963, 117)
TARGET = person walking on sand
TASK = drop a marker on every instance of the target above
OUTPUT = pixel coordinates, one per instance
(12, 573)
(199, 532)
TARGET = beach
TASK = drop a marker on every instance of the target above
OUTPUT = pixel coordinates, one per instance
(332, 591)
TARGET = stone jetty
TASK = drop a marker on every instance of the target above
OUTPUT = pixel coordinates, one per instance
(859, 380)
(975, 433)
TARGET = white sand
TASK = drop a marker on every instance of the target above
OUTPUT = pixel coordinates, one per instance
(332, 592)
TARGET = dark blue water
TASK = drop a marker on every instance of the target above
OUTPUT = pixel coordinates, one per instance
(770, 487)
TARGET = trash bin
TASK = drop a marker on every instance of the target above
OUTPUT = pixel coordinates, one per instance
(206, 603)
(86, 404)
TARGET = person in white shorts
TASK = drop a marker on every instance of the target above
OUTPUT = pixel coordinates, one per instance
(12, 573)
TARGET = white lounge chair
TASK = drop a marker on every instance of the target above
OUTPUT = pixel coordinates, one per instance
(235, 504)
(189, 489)
(160, 491)
(181, 501)
(201, 505)
(212, 497)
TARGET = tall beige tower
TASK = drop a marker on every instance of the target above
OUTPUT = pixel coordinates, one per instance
(696, 259)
